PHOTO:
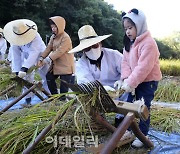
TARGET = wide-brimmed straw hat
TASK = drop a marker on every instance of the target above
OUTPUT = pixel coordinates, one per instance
(20, 32)
(87, 38)
(1, 31)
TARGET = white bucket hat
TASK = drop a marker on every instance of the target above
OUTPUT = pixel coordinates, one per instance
(139, 19)
(20, 32)
(87, 37)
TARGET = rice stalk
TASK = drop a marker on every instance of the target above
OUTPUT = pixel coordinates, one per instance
(165, 119)
(168, 92)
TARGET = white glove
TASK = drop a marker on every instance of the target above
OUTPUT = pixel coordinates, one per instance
(139, 102)
(48, 60)
(118, 84)
(108, 88)
(127, 88)
(21, 74)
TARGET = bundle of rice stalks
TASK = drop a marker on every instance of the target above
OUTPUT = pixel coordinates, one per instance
(6, 82)
(168, 91)
(165, 119)
(11, 86)
(19, 128)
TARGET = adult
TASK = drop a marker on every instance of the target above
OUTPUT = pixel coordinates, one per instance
(3, 45)
(97, 62)
(26, 45)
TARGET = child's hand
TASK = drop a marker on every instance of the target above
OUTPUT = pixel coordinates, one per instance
(40, 63)
(127, 88)
(118, 84)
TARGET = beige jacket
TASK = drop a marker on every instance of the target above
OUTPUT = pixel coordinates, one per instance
(57, 49)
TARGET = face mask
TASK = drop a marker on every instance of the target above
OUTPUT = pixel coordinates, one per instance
(94, 54)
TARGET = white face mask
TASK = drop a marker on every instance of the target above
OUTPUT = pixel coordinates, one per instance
(94, 54)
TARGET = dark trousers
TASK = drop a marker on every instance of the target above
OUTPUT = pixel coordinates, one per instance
(51, 82)
(146, 91)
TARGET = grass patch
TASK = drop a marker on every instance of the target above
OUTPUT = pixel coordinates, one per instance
(168, 90)
(170, 67)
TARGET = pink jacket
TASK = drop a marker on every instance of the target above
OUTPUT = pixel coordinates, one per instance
(141, 64)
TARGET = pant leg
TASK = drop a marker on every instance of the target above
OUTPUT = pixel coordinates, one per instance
(63, 87)
(146, 91)
(42, 72)
(29, 78)
(119, 117)
(51, 82)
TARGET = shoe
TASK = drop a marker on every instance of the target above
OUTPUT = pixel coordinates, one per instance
(117, 121)
(137, 143)
(28, 101)
(128, 137)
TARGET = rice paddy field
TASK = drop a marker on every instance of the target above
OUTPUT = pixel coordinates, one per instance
(71, 120)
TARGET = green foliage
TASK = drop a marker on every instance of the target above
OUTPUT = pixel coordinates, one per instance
(77, 13)
(173, 41)
(170, 46)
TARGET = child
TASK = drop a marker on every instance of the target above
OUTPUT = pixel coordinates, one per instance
(140, 65)
(62, 63)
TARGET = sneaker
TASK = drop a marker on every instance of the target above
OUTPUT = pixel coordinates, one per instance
(128, 137)
(137, 143)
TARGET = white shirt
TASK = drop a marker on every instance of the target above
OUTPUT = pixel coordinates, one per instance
(27, 55)
(3, 47)
(110, 68)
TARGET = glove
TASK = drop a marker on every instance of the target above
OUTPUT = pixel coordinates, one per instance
(139, 102)
(118, 84)
(108, 88)
(21, 74)
(127, 88)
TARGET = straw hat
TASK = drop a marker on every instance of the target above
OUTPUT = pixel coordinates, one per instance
(1, 31)
(20, 32)
(87, 37)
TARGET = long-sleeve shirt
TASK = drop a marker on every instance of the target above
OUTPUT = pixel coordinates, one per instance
(27, 55)
(110, 68)
(3, 47)
(141, 63)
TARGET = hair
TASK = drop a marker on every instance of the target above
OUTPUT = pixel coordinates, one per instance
(126, 41)
(51, 22)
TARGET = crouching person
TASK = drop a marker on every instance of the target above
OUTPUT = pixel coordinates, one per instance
(26, 45)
